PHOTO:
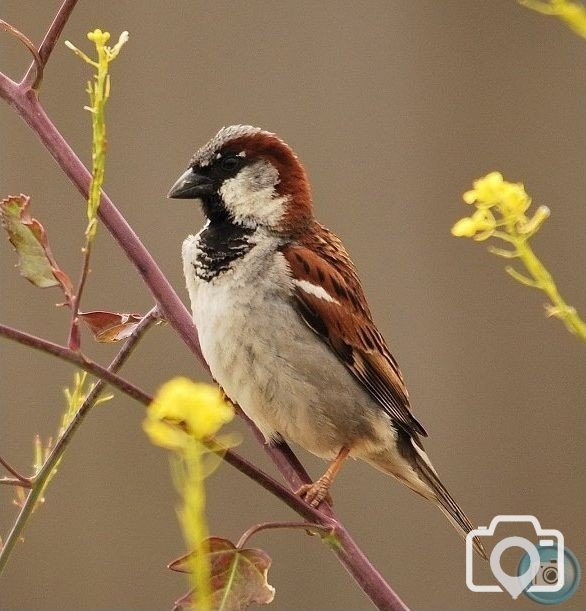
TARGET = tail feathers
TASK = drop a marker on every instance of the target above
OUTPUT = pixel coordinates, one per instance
(412, 466)
(444, 499)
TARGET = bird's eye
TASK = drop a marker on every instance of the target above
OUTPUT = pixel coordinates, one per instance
(230, 163)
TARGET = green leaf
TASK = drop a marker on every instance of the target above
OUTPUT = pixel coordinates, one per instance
(28, 236)
(238, 577)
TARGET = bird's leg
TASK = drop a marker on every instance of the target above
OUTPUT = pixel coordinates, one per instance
(315, 493)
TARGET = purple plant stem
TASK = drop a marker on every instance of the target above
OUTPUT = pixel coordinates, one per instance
(48, 44)
(72, 356)
(257, 528)
(350, 555)
(42, 477)
(18, 477)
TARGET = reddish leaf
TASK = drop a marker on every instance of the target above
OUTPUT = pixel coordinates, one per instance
(185, 603)
(109, 327)
(238, 577)
(28, 236)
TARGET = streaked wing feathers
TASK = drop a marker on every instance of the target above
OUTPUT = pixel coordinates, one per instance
(340, 316)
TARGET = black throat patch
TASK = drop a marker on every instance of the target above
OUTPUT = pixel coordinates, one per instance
(220, 244)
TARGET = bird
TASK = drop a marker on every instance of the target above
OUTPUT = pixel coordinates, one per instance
(284, 324)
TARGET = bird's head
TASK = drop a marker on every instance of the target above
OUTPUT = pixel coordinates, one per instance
(249, 177)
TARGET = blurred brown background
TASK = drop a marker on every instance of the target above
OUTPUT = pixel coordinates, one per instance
(394, 106)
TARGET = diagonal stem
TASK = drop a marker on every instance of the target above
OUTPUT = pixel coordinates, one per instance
(13, 471)
(13, 481)
(348, 552)
(37, 65)
(74, 339)
(76, 358)
(31, 78)
(308, 526)
(41, 478)
(543, 280)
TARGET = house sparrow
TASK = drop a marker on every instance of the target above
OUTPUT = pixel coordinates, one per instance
(283, 322)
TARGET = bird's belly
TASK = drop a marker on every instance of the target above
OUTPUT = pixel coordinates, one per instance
(284, 378)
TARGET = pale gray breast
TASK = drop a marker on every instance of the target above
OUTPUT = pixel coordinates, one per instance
(239, 303)
(266, 358)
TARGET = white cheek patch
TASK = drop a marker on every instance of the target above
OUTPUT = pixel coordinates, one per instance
(315, 290)
(251, 198)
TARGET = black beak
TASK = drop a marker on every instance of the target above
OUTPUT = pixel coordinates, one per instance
(191, 185)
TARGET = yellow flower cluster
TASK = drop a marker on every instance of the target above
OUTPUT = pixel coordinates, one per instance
(572, 13)
(99, 92)
(492, 190)
(183, 410)
(500, 213)
(499, 205)
(185, 416)
(105, 54)
(481, 222)
(99, 37)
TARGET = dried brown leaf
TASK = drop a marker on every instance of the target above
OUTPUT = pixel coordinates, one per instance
(29, 238)
(238, 577)
(109, 327)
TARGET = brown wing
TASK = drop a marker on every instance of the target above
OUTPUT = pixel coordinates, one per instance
(342, 319)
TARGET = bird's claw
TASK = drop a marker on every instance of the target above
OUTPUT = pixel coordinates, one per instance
(314, 494)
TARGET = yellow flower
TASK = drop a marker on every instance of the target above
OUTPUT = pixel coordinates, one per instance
(165, 435)
(486, 190)
(500, 212)
(492, 190)
(182, 415)
(105, 54)
(464, 228)
(482, 221)
(199, 409)
(573, 13)
(99, 37)
(513, 200)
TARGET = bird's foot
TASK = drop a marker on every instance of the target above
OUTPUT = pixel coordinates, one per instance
(316, 493)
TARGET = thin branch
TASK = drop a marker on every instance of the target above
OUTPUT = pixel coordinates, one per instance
(169, 303)
(64, 440)
(49, 42)
(348, 552)
(281, 525)
(274, 487)
(76, 358)
(36, 67)
(13, 471)
(13, 481)
(74, 331)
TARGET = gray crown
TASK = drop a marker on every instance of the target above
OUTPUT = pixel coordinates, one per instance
(205, 155)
